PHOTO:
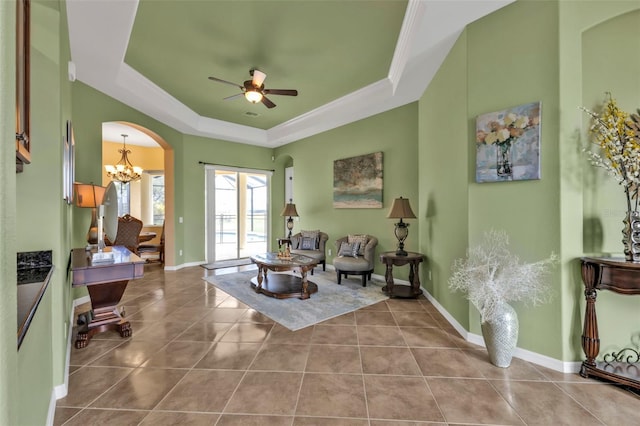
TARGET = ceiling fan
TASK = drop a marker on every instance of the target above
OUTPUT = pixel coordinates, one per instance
(254, 91)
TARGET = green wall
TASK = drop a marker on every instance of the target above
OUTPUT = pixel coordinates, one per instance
(8, 303)
(395, 133)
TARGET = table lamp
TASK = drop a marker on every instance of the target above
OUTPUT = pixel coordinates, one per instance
(401, 210)
(289, 210)
(90, 196)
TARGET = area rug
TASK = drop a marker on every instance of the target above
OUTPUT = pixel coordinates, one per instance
(330, 301)
(226, 263)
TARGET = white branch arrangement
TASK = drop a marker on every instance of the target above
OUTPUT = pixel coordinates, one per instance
(491, 275)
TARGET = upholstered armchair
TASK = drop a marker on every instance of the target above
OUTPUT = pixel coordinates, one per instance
(302, 243)
(359, 262)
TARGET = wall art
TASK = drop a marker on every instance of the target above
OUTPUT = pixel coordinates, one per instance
(508, 144)
(357, 182)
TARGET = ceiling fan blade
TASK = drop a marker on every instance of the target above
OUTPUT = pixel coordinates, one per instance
(237, 95)
(267, 102)
(225, 81)
(287, 92)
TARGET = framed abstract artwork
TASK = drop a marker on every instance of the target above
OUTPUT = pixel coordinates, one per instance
(357, 182)
(508, 144)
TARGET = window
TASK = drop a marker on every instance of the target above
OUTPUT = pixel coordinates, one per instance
(143, 199)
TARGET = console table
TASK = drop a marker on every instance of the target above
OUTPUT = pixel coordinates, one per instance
(621, 277)
(391, 259)
(106, 283)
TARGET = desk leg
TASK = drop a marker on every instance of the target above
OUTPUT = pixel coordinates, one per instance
(590, 335)
(104, 313)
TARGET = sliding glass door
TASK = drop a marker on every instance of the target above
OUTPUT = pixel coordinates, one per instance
(237, 212)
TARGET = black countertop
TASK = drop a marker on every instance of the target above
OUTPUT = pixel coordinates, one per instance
(34, 274)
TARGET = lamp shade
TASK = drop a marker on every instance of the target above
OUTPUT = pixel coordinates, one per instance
(88, 195)
(289, 210)
(401, 209)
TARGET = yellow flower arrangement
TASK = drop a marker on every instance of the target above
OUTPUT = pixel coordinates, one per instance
(617, 135)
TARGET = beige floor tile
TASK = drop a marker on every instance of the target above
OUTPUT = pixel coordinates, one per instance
(94, 350)
(202, 391)
(369, 335)
(88, 383)
(251, 315)
(388, 360)
(224, 314)
(444, 362)
(178, 355)
(334, 359)
(325, 421)
(280, 334)
(380, 306)
(488, 407)
(140, 390)
(427, 337)
(162, 330)
(401, 398)
(232, 356)
(396, 423)
(332, 395)
(253, 420)
(281, 357)
(170, 418)
(97, 417)
(414, 319)
(204, 331)
(345, 319)
(62, 414)
(334, 334)
(517, 370)
(371, 317)
(247, 333)
(129, 354)
(543, 403)
(400, 305)
(273, 393)
(609, 403)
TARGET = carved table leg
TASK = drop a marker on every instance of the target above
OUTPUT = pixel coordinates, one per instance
(590, 335)
(305, 284)
(259, 286)
(414, 279)
(388, 277)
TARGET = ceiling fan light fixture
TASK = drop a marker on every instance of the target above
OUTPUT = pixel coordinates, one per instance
(258, 78)
(253, 96)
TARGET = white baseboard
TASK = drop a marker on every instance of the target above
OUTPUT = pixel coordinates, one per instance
(524, 354)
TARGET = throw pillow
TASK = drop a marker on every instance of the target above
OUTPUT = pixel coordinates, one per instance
(350, 250)
(308, 243)
(312, 234)
(363, 239)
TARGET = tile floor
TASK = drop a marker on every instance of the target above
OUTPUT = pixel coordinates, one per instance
(199, 357)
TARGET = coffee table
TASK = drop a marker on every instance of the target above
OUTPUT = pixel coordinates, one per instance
(282, 286)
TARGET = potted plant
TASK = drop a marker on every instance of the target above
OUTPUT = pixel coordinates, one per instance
(491, 276)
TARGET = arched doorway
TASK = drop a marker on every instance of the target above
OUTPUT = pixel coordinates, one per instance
(155, 155)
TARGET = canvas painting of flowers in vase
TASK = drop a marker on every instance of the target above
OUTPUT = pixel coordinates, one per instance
(508, 144)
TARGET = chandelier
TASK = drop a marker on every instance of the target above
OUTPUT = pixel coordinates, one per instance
(123, 171)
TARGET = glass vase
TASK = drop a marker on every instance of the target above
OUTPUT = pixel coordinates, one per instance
(631, 236)
(503, 160)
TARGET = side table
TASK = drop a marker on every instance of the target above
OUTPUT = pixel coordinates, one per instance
(391, 259)
(621, 277)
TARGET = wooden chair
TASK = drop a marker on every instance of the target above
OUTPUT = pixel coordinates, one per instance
(128, 233)
(150, 251)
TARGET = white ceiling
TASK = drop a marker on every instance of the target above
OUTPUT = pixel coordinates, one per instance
(99, 33)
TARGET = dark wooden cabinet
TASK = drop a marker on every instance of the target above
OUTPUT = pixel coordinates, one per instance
(621, 277)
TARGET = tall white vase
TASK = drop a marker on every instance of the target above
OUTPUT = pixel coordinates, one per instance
(501, 335)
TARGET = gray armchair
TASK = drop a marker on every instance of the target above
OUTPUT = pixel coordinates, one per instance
(318, 252)
(362, 264)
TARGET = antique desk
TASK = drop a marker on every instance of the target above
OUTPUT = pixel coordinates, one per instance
(391, 259)
(106, 283)
(282, 286)
(620, 276)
